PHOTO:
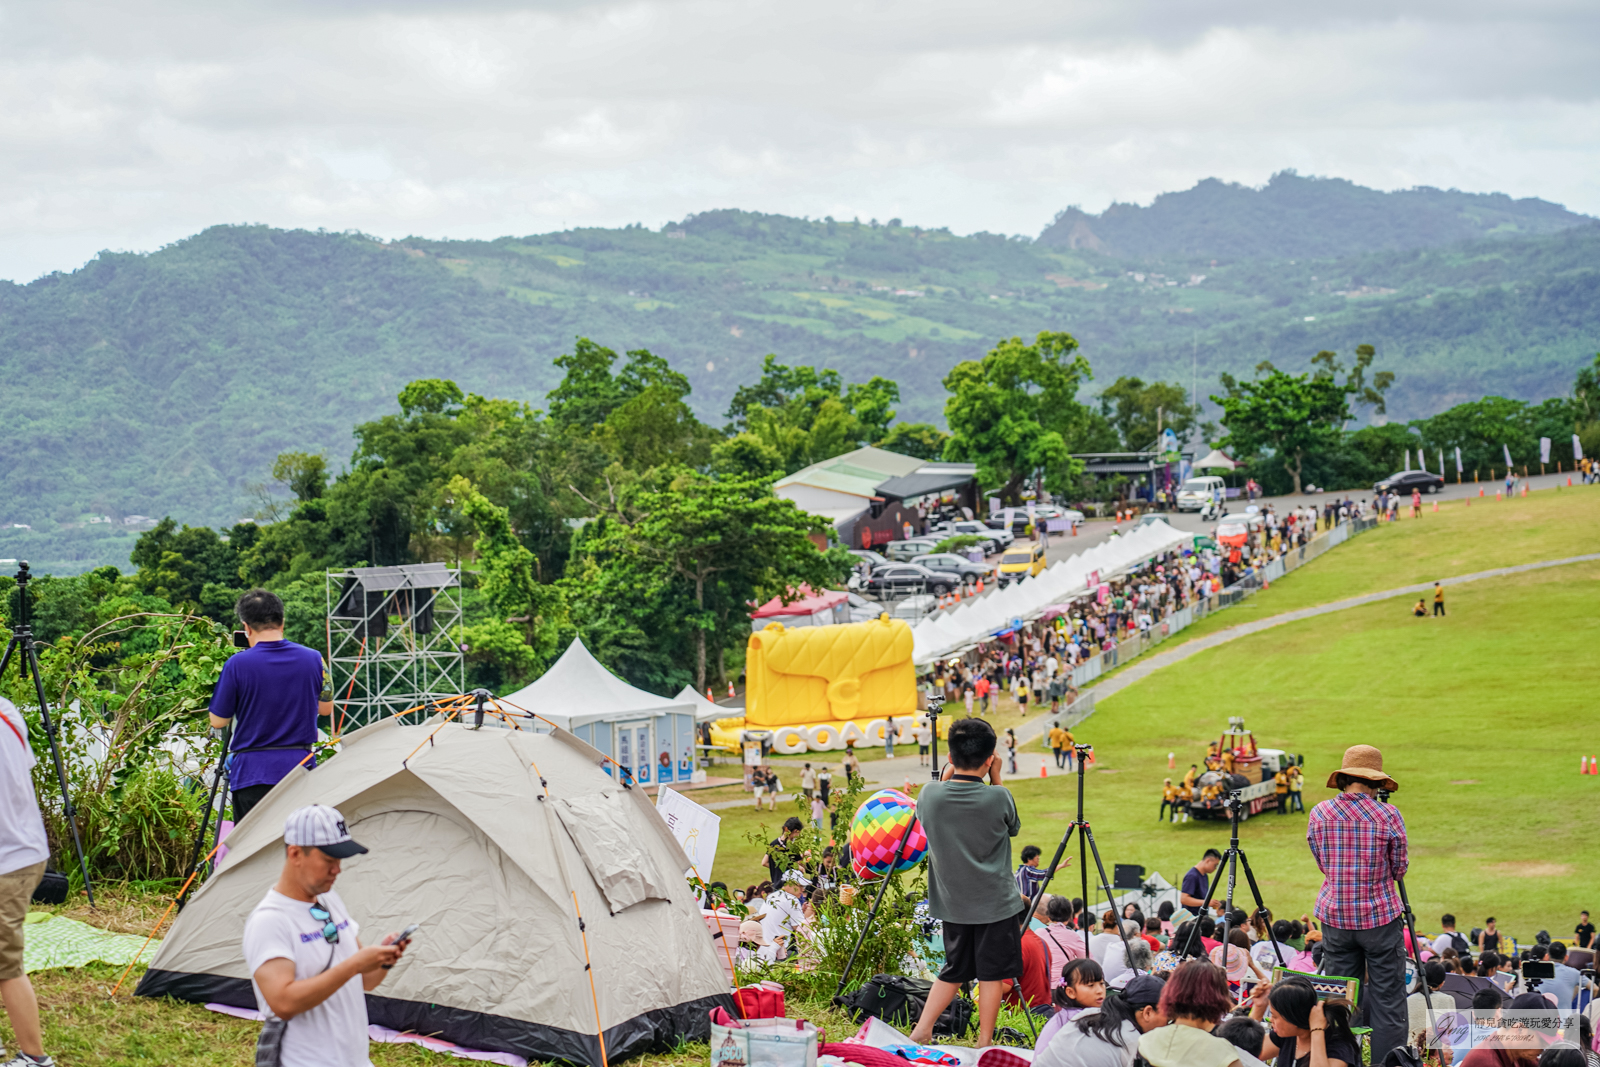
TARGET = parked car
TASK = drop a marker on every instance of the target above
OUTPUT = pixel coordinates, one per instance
(913, 608)
(997, 538)
(1021, 561)
(1195, 493)
(902, 551)
(1041, 513)
(872, 559)
(905, 579)
(1405, 481)
(959, 567)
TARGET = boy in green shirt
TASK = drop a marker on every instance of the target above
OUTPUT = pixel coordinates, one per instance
(969, 822)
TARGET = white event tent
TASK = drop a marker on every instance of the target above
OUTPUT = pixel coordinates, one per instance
(977, 620)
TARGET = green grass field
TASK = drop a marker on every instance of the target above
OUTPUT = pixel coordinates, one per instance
(1458, 539)
(1482, 717)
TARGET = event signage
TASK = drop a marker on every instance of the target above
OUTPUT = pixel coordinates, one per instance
(695, 827)
(1544, 450)
(1459, 469)
(1092, 580)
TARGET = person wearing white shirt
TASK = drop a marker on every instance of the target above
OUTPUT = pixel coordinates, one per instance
(309, 970)
(23, 852)
(785, 912)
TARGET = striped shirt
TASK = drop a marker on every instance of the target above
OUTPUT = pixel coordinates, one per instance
(1360, 844)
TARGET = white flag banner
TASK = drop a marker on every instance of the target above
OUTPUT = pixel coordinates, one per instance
(1441, 463)
(1544, 450)
(1408, 459)
(1507, 450)
(1577, 448)
(695, 827)
(1459, 469)
(1010, 516)
(994, 504)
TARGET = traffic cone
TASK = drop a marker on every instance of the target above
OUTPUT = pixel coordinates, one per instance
(980, 587)
(1583, 765)
(1480, 490)
(1436, 507)
(730, 688)
(1172, 760)
(1524, 488)
(1569, 481)
(709, 696)
(1042, 772)
(1497, 495)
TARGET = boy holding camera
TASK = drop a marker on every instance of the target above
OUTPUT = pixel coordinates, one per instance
(969, 822)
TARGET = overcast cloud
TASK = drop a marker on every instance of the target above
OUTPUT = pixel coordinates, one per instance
(127, 126)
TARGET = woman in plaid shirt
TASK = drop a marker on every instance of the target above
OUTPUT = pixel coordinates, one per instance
(1360, 845)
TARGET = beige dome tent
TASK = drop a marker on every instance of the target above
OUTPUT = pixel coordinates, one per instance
(495, 841)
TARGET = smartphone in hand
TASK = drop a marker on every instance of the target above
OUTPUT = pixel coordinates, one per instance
(404, 938)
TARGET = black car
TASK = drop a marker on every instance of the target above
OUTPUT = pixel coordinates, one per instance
(958, 567)
(906, 579)
(1405, 481)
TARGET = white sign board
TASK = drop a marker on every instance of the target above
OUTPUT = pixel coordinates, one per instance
(695, 827)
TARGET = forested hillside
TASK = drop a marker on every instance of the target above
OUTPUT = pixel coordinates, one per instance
(1292, 217)
(165, 383)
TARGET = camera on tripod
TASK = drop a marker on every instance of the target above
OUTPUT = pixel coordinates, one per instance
(1234, 801)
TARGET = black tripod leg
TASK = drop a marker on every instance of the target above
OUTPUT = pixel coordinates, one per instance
(1127, 949)
(200, 838)
(1194, 928)
(883, 891)
(1261, 905)
(31, 660)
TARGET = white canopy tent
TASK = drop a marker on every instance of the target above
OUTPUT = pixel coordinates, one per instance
(705, 710)
(651, 735)
(952, 631)
(1215, 458)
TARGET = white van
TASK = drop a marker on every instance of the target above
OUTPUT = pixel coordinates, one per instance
(1196, 492)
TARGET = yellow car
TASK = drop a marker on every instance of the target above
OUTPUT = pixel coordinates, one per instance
(1020, 561)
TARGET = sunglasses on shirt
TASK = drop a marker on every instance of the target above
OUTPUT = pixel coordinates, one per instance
(330, 929)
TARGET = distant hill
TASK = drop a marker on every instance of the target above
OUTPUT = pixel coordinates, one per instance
(1292, 217)
(165, 383)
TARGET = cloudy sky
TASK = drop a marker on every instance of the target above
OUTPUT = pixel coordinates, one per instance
(129, 125)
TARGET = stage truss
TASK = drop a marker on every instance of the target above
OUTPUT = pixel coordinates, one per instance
(393, 636)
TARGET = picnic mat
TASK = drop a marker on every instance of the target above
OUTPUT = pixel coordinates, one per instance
(387, 1036)
(55, 941)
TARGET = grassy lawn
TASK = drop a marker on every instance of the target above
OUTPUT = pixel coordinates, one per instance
(1482, 717)
(1550, 524)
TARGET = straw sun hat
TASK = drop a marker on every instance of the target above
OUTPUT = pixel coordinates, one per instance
(1366, 763)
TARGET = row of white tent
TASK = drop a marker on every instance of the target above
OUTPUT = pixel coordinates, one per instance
(979, 619)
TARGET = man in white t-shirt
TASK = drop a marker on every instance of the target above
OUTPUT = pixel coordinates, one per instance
(23, 852)
(786, 912)
(307, 966)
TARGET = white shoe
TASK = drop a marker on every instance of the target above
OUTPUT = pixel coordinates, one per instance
(22, 1059)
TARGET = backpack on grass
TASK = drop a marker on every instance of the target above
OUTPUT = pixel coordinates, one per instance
(898, 1001)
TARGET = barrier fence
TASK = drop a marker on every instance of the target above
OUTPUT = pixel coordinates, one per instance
(1133, 647)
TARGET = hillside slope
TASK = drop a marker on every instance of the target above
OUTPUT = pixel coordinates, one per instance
(165, 383)
(1294, 217)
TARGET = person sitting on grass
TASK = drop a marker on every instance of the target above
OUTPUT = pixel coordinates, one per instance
(1421, 610)
(969, 820)
(1083, 986)
(1194, 1000)
(1305, 1030)
(1107, 1036)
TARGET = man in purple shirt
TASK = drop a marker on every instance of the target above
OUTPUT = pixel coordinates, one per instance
(1360, 845)
(271, 694)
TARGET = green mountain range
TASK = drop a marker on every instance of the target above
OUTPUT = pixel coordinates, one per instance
(165, 383)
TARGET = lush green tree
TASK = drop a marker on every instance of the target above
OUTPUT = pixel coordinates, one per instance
(1361, 393)
(1289, 415)
(806, 415)
(1016, 412)
(305, 475)
(194, 567)
(745, 455)
(1483, 429)
(920, 439)
(508, 582)
(722, 541)
(1586, 392)
(1137, 412)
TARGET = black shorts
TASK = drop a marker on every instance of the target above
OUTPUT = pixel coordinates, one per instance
(247, 798)
(922, 749)
(987, 952)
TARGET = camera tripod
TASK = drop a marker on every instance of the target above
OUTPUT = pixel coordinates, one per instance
(934, 704)
(1230, 862)
(220, 776)
(1411, 930)
(21, 644)
(1086, 846)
